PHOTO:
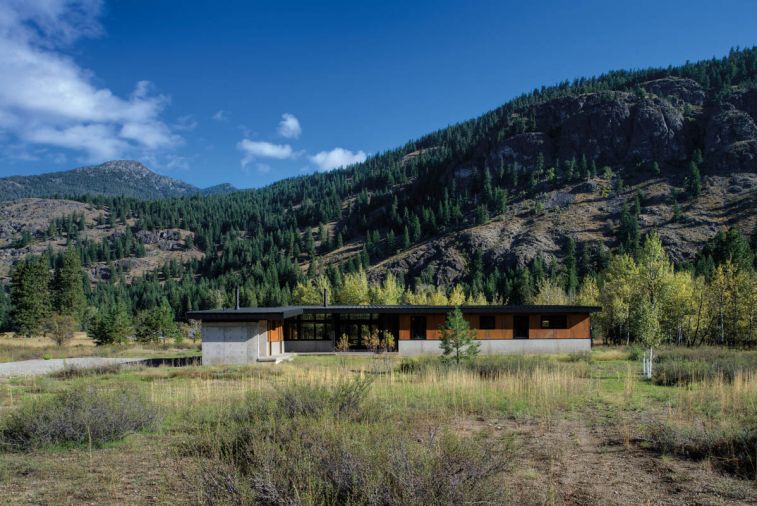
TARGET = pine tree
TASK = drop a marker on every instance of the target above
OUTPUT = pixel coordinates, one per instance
(68, 287)
(524, 290)
(571, 272)
(30, 295)
(694, 179)
(458, 341)
(112, 326)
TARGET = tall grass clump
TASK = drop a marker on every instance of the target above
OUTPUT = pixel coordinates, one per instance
(316, 444)
(486, 367)
(686, 366)
(733, 450)
(77, 417)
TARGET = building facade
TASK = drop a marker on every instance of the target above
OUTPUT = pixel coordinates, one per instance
(245, 335)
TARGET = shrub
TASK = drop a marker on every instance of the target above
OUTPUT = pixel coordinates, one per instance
(689, 365)
(343, 398)
(410, 366)
(264, 458)
(492, 367)
(681, 372)
(69, 372)
(731, 450)
(61, 328)
(77, 417)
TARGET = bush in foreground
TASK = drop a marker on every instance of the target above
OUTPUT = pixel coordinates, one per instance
(292, 449)
(731, 450)
(86, 416)
(683, 367)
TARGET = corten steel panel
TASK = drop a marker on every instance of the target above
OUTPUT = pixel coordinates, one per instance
(404, 327)
(275, 331)
(578, 328)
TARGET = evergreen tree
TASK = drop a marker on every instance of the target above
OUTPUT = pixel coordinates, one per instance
(524, 290)
(113, 325)
(571, 271)
(30, 295)
(628, 231)
(155, 324)
(5, 310)
(68, 286)
(458, 341)
(694, 180)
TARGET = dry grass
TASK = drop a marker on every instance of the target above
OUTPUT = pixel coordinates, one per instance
(557, 413)
(14, 348)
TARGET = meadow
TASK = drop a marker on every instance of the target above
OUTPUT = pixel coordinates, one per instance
(560, 429)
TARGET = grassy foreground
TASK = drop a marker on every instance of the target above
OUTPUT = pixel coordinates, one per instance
(563, 429)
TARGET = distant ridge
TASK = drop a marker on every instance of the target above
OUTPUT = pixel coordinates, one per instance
(127, 178)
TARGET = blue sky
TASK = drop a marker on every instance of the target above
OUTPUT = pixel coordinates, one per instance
(251, 92)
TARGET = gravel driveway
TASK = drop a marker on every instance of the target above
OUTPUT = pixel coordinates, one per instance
(38, 367)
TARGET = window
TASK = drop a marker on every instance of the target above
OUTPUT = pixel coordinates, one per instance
(554, 321)
(418, 327)
(487, 323)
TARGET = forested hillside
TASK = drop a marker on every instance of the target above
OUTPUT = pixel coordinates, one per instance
(125, 178)
(541, 193)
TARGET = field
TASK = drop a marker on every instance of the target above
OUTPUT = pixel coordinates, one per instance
(563, 429)
(14, 348)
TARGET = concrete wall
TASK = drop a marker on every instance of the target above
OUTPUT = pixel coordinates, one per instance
(431, 347)
(233, 342)
(308, 346)
(277, 348)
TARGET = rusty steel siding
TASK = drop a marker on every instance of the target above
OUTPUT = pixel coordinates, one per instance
(578, 327)
(275, 331)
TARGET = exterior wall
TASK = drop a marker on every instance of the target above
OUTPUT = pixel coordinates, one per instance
(494, 346)
(578, 327)
(308, 346)
(233, 342)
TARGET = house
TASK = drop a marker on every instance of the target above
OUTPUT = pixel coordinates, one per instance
(244, 335)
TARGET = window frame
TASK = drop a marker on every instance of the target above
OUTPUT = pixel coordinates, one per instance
(554, 321)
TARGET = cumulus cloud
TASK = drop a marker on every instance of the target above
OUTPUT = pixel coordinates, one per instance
(289, 126)
(47, 99)
(254, 150)
(220, 115)
(337, 157)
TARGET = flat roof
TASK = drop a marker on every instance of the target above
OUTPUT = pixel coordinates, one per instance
(284, 312)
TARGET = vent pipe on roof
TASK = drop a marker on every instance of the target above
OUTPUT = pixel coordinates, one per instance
(237, 305)
(325, 298)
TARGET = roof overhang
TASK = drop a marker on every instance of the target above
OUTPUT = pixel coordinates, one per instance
(284, 312)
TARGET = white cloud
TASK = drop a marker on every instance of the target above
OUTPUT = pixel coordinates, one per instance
(220, 115)
(337, 157)
(185, 123)
(260, 149)
(47, 99)
(289, 126)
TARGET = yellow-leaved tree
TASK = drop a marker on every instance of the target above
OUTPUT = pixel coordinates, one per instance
(354, 289)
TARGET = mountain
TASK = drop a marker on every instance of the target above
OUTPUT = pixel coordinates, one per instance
(552, 181)
(126, 178)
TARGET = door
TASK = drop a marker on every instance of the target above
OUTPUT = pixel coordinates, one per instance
(520, 326)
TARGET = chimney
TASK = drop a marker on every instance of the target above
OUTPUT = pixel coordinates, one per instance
(237, 306)
(325, 298)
